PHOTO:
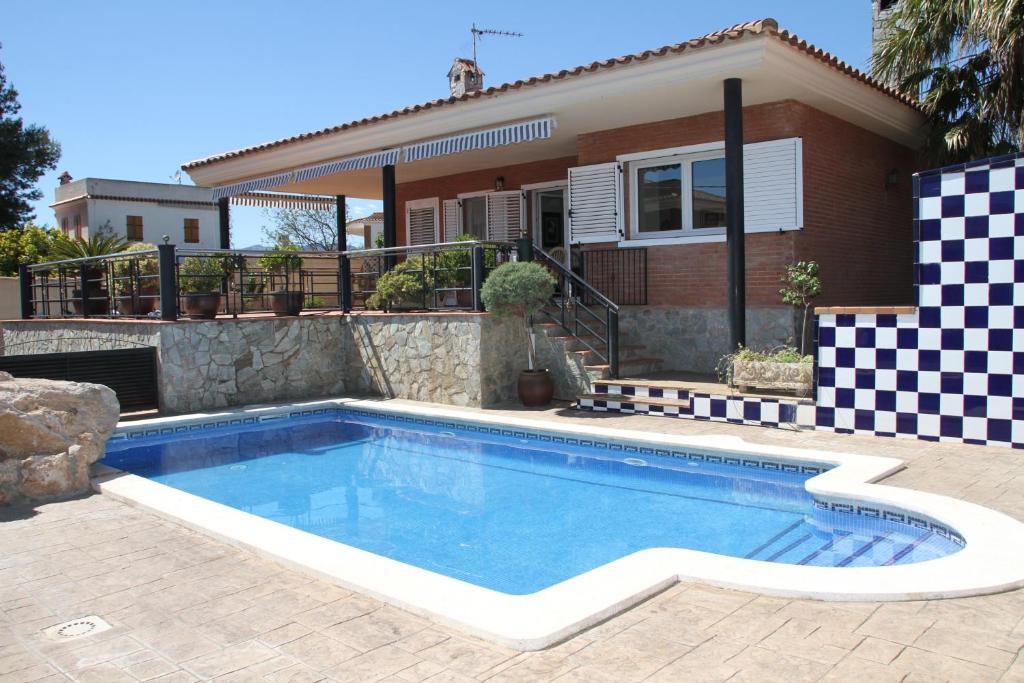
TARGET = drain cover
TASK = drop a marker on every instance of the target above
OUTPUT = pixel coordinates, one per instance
(76, 628)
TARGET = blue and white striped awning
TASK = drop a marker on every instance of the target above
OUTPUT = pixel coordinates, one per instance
(511, 134)
(251, 185)
(375, 160)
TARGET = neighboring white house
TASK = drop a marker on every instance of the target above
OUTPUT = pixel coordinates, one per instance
(366, 229)
(139, 212)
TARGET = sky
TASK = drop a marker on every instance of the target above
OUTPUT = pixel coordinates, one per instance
(131, 90)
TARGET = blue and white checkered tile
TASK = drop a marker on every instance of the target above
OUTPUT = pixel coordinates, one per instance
(954, 370)
(641, 391)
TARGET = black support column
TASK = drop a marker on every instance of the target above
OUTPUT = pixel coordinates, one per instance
(339, 202)
(734, 212)
(390, 217)
(225, 222)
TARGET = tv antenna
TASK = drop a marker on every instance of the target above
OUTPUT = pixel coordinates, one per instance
(479, 33)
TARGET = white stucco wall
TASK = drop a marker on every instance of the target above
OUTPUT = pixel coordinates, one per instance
(158, 219)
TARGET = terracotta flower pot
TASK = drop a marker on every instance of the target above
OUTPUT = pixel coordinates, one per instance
(286, 303)
(203, 306)
(535, 388)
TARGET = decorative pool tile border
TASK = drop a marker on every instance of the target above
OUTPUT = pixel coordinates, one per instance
(891, 515)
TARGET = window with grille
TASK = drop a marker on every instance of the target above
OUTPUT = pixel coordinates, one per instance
(191, 230)
(134, 228)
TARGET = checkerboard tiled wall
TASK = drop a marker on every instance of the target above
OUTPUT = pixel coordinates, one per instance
(954, 370)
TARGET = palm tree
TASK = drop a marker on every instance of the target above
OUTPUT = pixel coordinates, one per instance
(97, 245)
(965, 59)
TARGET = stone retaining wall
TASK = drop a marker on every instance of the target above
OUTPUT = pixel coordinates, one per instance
(694, 339)
(454, 358)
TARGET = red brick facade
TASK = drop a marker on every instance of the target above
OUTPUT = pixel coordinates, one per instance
(859, 231)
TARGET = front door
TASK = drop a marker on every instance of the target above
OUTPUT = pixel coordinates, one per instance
(549, 222)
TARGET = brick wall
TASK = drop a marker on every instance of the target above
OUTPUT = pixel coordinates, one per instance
(853, 226)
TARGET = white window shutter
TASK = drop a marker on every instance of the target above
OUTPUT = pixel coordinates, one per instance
(595, 203)
(452, 220)
(506, 215)
(773, 185)
(421, 221)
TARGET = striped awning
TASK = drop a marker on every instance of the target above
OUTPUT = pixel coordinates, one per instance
(251, 185)
(388, 157)
(274, 200)
(511, 134)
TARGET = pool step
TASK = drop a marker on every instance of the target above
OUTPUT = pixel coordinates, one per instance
(633, 404)
(798, 544)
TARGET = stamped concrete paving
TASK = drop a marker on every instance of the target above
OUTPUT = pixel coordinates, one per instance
(185, 607)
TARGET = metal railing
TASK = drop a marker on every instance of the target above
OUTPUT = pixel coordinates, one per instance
(620, 274)
(583, 311)
(166, 281)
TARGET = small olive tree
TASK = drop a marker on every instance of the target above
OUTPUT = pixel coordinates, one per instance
(800, 285)
(519, 289)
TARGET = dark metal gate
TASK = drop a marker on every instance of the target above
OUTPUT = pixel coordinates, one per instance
(131, 373)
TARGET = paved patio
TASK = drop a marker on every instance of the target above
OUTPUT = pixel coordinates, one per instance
(184, 607)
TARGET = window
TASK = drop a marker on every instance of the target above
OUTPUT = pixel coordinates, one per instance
(64, 226)
(78, 226)
(134, 228)
(474, 216)
(678, 196)
(421, 221)
(191, 230)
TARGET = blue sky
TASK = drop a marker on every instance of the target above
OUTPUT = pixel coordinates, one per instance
(133, 89)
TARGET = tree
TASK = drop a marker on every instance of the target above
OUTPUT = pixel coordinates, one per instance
(519, 289)
(309, 229)
(26, 153)
(801, 284)
(965, 59)
(26, 244)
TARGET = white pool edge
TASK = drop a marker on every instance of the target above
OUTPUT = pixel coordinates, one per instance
(992, 561)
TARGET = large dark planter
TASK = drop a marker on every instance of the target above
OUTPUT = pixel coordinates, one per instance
(535, 388)
(99, 301)
(286, 303)
(147, 301)
(203, 306)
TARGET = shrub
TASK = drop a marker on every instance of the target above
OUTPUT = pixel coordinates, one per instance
(780, 354)
(519, 289)
(199, 275)
(801, 284)
(402, 284)
(145, 266)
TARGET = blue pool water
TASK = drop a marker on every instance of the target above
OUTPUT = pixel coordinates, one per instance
(505, 512)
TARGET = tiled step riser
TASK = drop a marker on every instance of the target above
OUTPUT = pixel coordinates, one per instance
(640, 391)
(748, 411)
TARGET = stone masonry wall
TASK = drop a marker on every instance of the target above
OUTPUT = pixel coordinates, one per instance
(457, 358)
(694, 339)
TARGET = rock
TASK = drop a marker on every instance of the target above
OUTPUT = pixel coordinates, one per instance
(52, 432)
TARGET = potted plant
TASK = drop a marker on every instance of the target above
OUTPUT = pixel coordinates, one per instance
(781, 369)
(285, 269)
(520, 289)
(199, 281)
(400, 287)
(136, 281)
(91, 273)
(453, 271)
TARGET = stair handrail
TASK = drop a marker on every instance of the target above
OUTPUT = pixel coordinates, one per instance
(611, 320)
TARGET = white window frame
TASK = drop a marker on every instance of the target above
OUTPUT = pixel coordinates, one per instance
(686, 231)
(430, 202)
(659, 157)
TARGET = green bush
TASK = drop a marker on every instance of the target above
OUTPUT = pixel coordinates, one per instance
(519, 289)
(199, 275)
(783, 354)
(403, 284)
(145, 266)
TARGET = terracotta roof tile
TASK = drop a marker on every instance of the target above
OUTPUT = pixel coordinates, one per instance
(765, 26)
(375, 217)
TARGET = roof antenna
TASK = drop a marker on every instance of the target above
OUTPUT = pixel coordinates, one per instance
(479, 33)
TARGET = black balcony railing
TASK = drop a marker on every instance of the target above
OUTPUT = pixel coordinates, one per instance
(167, 282)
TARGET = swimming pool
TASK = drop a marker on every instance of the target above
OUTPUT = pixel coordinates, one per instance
(526, 531)
(514, 513)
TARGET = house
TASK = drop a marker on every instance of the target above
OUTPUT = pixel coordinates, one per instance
(366, 229)
(139, 212)
(682, 180)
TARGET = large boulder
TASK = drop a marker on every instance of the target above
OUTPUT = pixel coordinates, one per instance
(50, 433)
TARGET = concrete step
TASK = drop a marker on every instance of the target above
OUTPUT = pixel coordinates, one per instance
(631, 366)
(637, 400)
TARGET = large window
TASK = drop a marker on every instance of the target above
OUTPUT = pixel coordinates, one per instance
(678, 196)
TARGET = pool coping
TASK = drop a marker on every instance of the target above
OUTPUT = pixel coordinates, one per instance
(991, 561)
